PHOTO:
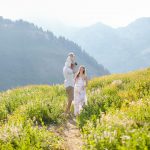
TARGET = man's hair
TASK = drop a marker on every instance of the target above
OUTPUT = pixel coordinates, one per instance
(71, 53)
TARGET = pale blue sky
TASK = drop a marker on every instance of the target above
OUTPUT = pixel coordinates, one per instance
(76, 12)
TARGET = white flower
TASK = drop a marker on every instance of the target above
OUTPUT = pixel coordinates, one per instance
(125, 137)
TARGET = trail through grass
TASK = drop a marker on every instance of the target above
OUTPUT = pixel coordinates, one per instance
(117, 116)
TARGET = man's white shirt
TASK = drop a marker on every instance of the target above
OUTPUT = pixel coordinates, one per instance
(69, 76)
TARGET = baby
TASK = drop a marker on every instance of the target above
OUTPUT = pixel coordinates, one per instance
(71, 60)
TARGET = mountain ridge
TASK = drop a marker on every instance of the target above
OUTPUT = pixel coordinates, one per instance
(30, 55)
(119, 49)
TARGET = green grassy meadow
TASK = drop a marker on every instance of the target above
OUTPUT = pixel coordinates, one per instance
(117, 116)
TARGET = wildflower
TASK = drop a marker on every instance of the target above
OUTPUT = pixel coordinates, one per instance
(125, 137)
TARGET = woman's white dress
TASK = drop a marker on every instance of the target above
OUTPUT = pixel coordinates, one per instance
(80, 98)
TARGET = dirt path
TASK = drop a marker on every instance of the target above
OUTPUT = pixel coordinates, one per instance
(72, 136)
(70, 133)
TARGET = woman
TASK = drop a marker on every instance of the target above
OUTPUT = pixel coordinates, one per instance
(79, 90)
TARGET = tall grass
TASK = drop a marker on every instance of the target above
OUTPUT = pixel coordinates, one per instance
(26, 114)
(118, 112)
(117, 116)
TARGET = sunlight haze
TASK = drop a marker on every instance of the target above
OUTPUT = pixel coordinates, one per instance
(76, 12)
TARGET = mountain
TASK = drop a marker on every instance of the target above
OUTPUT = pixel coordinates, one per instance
(29, 55)
(119, 49)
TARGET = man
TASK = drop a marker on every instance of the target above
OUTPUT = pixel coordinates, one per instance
(69, 72)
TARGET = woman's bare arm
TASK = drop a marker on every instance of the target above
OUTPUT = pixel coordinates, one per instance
(86, 80)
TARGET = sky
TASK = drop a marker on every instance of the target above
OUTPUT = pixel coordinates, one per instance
(115, 13)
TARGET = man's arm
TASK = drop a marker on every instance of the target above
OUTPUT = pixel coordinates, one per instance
(69, 71)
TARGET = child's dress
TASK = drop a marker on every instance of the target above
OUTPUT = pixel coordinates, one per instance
(80, 98)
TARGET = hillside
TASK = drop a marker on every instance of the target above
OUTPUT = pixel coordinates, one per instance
(118, 49)
(29, 55)
(117, 115)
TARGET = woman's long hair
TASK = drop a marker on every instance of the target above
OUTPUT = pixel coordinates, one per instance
(78, 73)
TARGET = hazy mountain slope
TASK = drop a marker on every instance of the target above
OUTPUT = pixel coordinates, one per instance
(120, 50)
(29, 55)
